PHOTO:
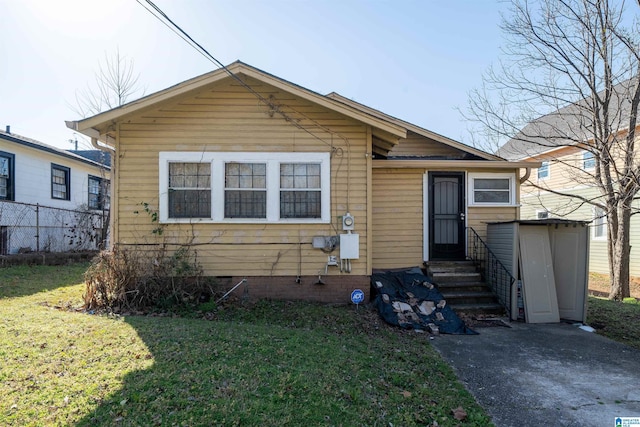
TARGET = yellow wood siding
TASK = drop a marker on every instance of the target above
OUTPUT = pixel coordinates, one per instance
(228, 118)
(397, 216)
(478, 217)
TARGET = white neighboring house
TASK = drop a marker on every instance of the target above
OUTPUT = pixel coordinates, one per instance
(51, 199)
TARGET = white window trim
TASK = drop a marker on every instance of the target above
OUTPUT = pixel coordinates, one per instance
(512, 188)
(543, 178)
(218, 160)
(605, 227)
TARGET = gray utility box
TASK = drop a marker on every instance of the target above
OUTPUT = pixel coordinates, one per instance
(550, 259)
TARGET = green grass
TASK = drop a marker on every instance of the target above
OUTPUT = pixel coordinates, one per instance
(619, 321)
(269, 364)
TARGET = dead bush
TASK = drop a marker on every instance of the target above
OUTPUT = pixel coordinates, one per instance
(135, 279)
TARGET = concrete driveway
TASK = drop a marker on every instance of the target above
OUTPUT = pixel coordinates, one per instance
(546, 374)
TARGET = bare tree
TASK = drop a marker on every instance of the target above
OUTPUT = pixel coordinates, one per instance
(569, 78)
(115, 82)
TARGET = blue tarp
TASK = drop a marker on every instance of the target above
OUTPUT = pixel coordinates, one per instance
(408, 299)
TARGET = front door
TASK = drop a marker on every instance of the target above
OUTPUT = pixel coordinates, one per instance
(446, 216)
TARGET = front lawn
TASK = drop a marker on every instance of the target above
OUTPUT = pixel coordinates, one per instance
(270, 364)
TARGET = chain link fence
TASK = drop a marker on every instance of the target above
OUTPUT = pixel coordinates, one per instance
(26, 228)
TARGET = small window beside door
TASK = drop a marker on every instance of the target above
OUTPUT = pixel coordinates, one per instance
(491, 189)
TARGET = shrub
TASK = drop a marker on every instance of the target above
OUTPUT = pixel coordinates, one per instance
(131, 279)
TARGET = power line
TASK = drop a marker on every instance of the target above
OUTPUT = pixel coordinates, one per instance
(175, 28)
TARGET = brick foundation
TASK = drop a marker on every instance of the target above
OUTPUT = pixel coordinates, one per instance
(336, 289)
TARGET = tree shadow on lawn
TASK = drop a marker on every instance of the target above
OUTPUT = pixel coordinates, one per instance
(241, 373)
(25, 280)
(216, 373)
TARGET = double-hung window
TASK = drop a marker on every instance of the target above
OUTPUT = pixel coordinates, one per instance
(487, 189)
(245, 187)
(245, 190)
(98, 193)
(300, 190)
(7, 188)
(189, 190)
(60, 182)
(543, 171)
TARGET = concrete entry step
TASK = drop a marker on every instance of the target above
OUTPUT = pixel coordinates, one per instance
(462, 287)
(449, 267)
(478, 308)
(448, 277)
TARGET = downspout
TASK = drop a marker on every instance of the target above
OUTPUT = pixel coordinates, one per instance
(94, 135)
(105, 148)
(526, 176)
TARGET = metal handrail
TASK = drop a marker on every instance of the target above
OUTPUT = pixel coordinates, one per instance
(493, 272)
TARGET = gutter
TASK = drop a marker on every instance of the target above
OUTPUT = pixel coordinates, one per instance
(105, 144)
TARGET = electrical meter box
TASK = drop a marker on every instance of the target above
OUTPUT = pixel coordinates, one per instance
(349, 246)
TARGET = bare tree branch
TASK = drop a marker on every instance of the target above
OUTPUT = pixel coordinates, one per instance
(568, 83)
(115, 82)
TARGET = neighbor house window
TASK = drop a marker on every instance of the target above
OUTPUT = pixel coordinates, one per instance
(245, 187)
(60, 182)
(189, 188)
(245, 190)
(543, 171)
(599, 224)
(7, 188)
(300, 194)
(588, 160)
(98, 193)
(491, 189)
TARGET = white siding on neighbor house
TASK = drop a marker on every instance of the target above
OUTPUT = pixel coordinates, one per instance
(32, 183)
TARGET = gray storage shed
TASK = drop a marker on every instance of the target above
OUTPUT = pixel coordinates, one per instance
(550, 259)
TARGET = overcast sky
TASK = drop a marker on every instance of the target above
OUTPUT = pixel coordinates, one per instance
(414, 59)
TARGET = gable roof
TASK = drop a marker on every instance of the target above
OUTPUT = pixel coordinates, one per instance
(387, 131)
(98, 125)
(41, 146)
(568, 126)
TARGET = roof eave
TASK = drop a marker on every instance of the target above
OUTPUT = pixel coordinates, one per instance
(460, 164)
(416, 129)
(101, 120)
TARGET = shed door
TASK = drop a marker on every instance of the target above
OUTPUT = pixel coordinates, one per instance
(538, 282)
(569, 251)
(446, 216)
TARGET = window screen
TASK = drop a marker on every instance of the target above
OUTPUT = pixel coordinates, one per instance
(245, 193)
(491, 190)
(189, 190)
(300, 190)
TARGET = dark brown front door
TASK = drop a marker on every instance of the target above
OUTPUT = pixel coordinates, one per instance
(446, 216)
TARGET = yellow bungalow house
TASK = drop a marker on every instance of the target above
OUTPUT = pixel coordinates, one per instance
(288, 188)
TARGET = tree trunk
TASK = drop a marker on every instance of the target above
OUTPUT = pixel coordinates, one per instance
(619, 256)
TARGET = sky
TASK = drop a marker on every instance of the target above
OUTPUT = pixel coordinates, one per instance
(413, 59)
